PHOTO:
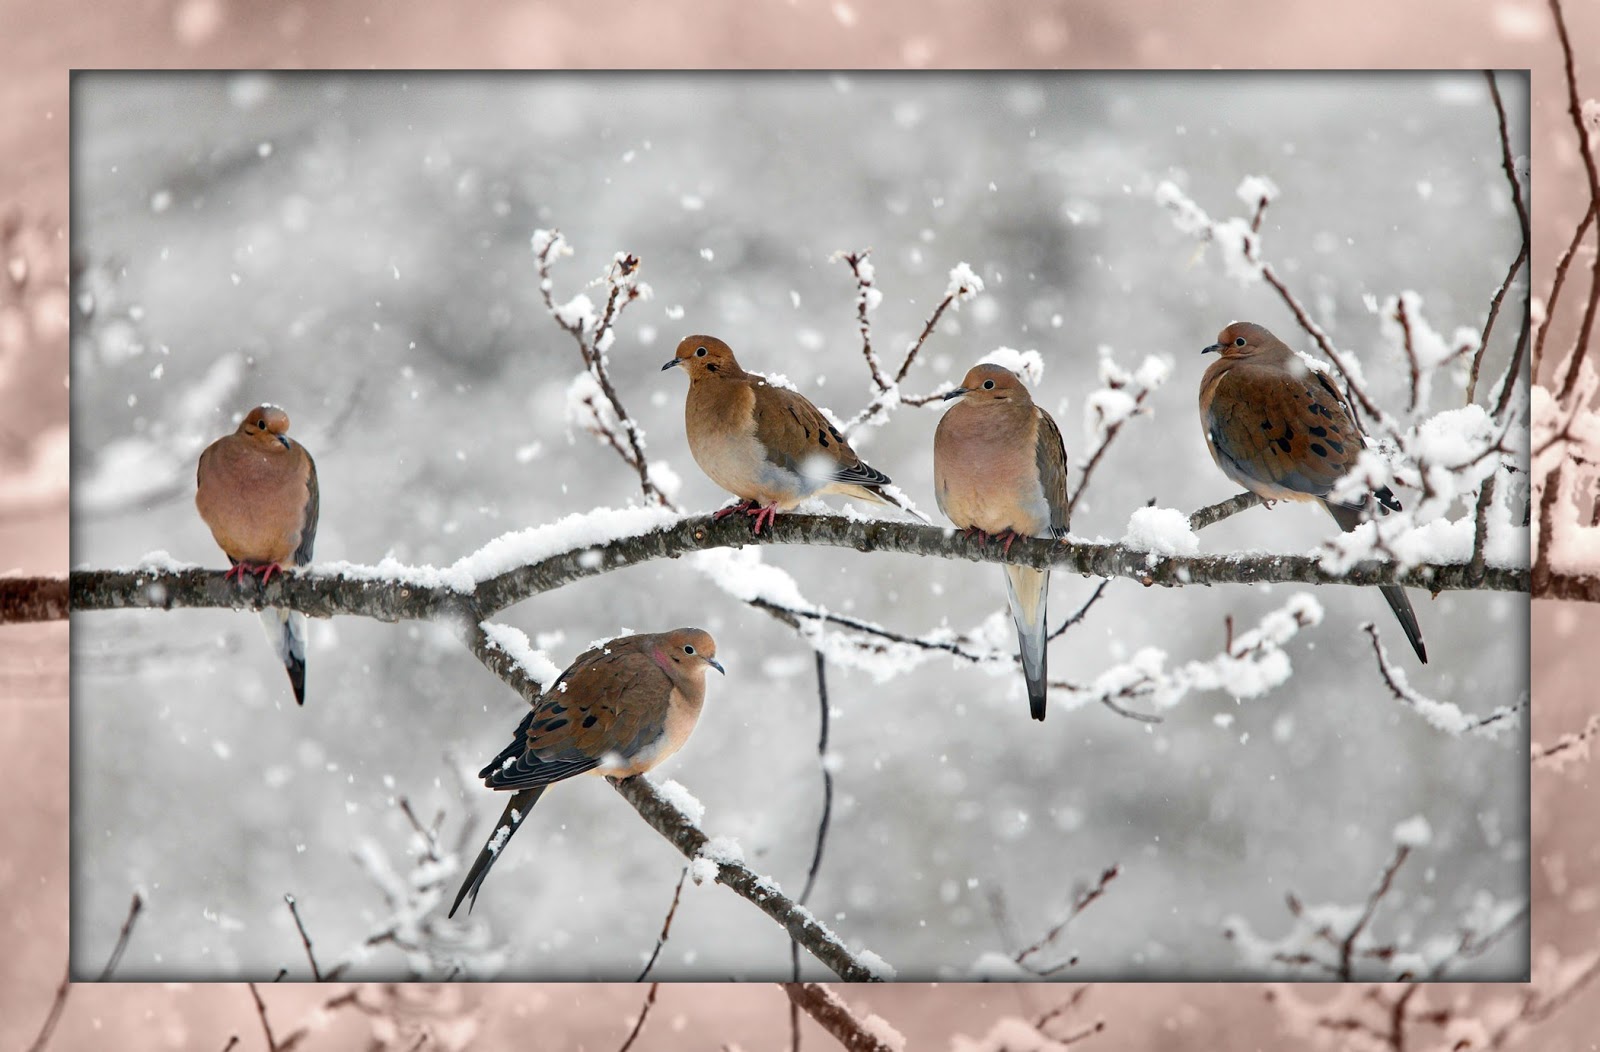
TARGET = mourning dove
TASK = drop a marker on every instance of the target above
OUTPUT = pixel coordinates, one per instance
(620, 709)
(1280, 428)
(766, 445)
(257, 490)
(1000, 468)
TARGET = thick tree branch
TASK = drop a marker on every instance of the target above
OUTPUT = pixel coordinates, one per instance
(324, 594)
(830, 1013)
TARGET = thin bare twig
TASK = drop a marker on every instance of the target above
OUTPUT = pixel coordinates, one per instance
(58, 1004)
(305, 940)
(666, 926)
(1214, 513)
(1080, 903)
(1385, 882)
(1575, 111)
(1509, 164)
(644, 1013)
(123, 936)
(1558, 281)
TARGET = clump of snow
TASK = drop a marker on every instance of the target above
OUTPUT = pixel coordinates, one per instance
(550, 244)
(535, 664)
(1254, 189)
(685, 801)
(1239, 245)
(1413, 832)
(161, 561)
(1009, 1034)
(879, 967)
(1027, 364)
(702, 870)
(883, 1033)
(579, 530)
(1160, 531)
(964, 285)
(724, 850)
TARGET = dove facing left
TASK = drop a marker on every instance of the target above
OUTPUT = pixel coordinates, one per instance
(768, 446)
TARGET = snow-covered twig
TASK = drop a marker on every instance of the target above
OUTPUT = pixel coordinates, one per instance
(593, 336)
(1569, 748)
(963, 286)
(1109, 408)
(1334, 941)
(1442, 715)
(871, 1034)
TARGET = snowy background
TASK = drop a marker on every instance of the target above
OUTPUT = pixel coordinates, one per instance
(356, 249)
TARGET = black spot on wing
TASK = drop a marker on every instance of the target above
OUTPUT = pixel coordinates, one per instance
(1319, 431)
(1319, 449)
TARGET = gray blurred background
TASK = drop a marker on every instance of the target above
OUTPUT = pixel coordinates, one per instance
(355, 247)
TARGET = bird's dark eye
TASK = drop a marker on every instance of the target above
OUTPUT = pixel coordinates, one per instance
(261, 425)
(988, 385)
(688, 649)
(1239, 342)
(699, 352)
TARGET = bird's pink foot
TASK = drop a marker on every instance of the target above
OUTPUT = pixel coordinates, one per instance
(768, 515)
(723, 513)
(262, 570)
(1008, 537)
(970, 531)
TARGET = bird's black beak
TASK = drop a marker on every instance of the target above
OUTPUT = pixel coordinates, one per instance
(957, 393)
(670, 364)
(285, 440)
(1213, 347)
(714, 663)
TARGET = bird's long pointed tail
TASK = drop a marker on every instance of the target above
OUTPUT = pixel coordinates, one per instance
(1348, 519)
(287, 631)
(516, 810)
(891, 496)
(1028, 591)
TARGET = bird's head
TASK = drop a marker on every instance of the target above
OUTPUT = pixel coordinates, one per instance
(1243, 339)
(702, 356)
(686, 653)
(988, 384)
(266, 425)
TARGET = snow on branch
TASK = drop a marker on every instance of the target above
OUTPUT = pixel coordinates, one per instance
(963, 286)
(853, 1033)
(518, 566)
(1333, 941)
(1441, 715)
